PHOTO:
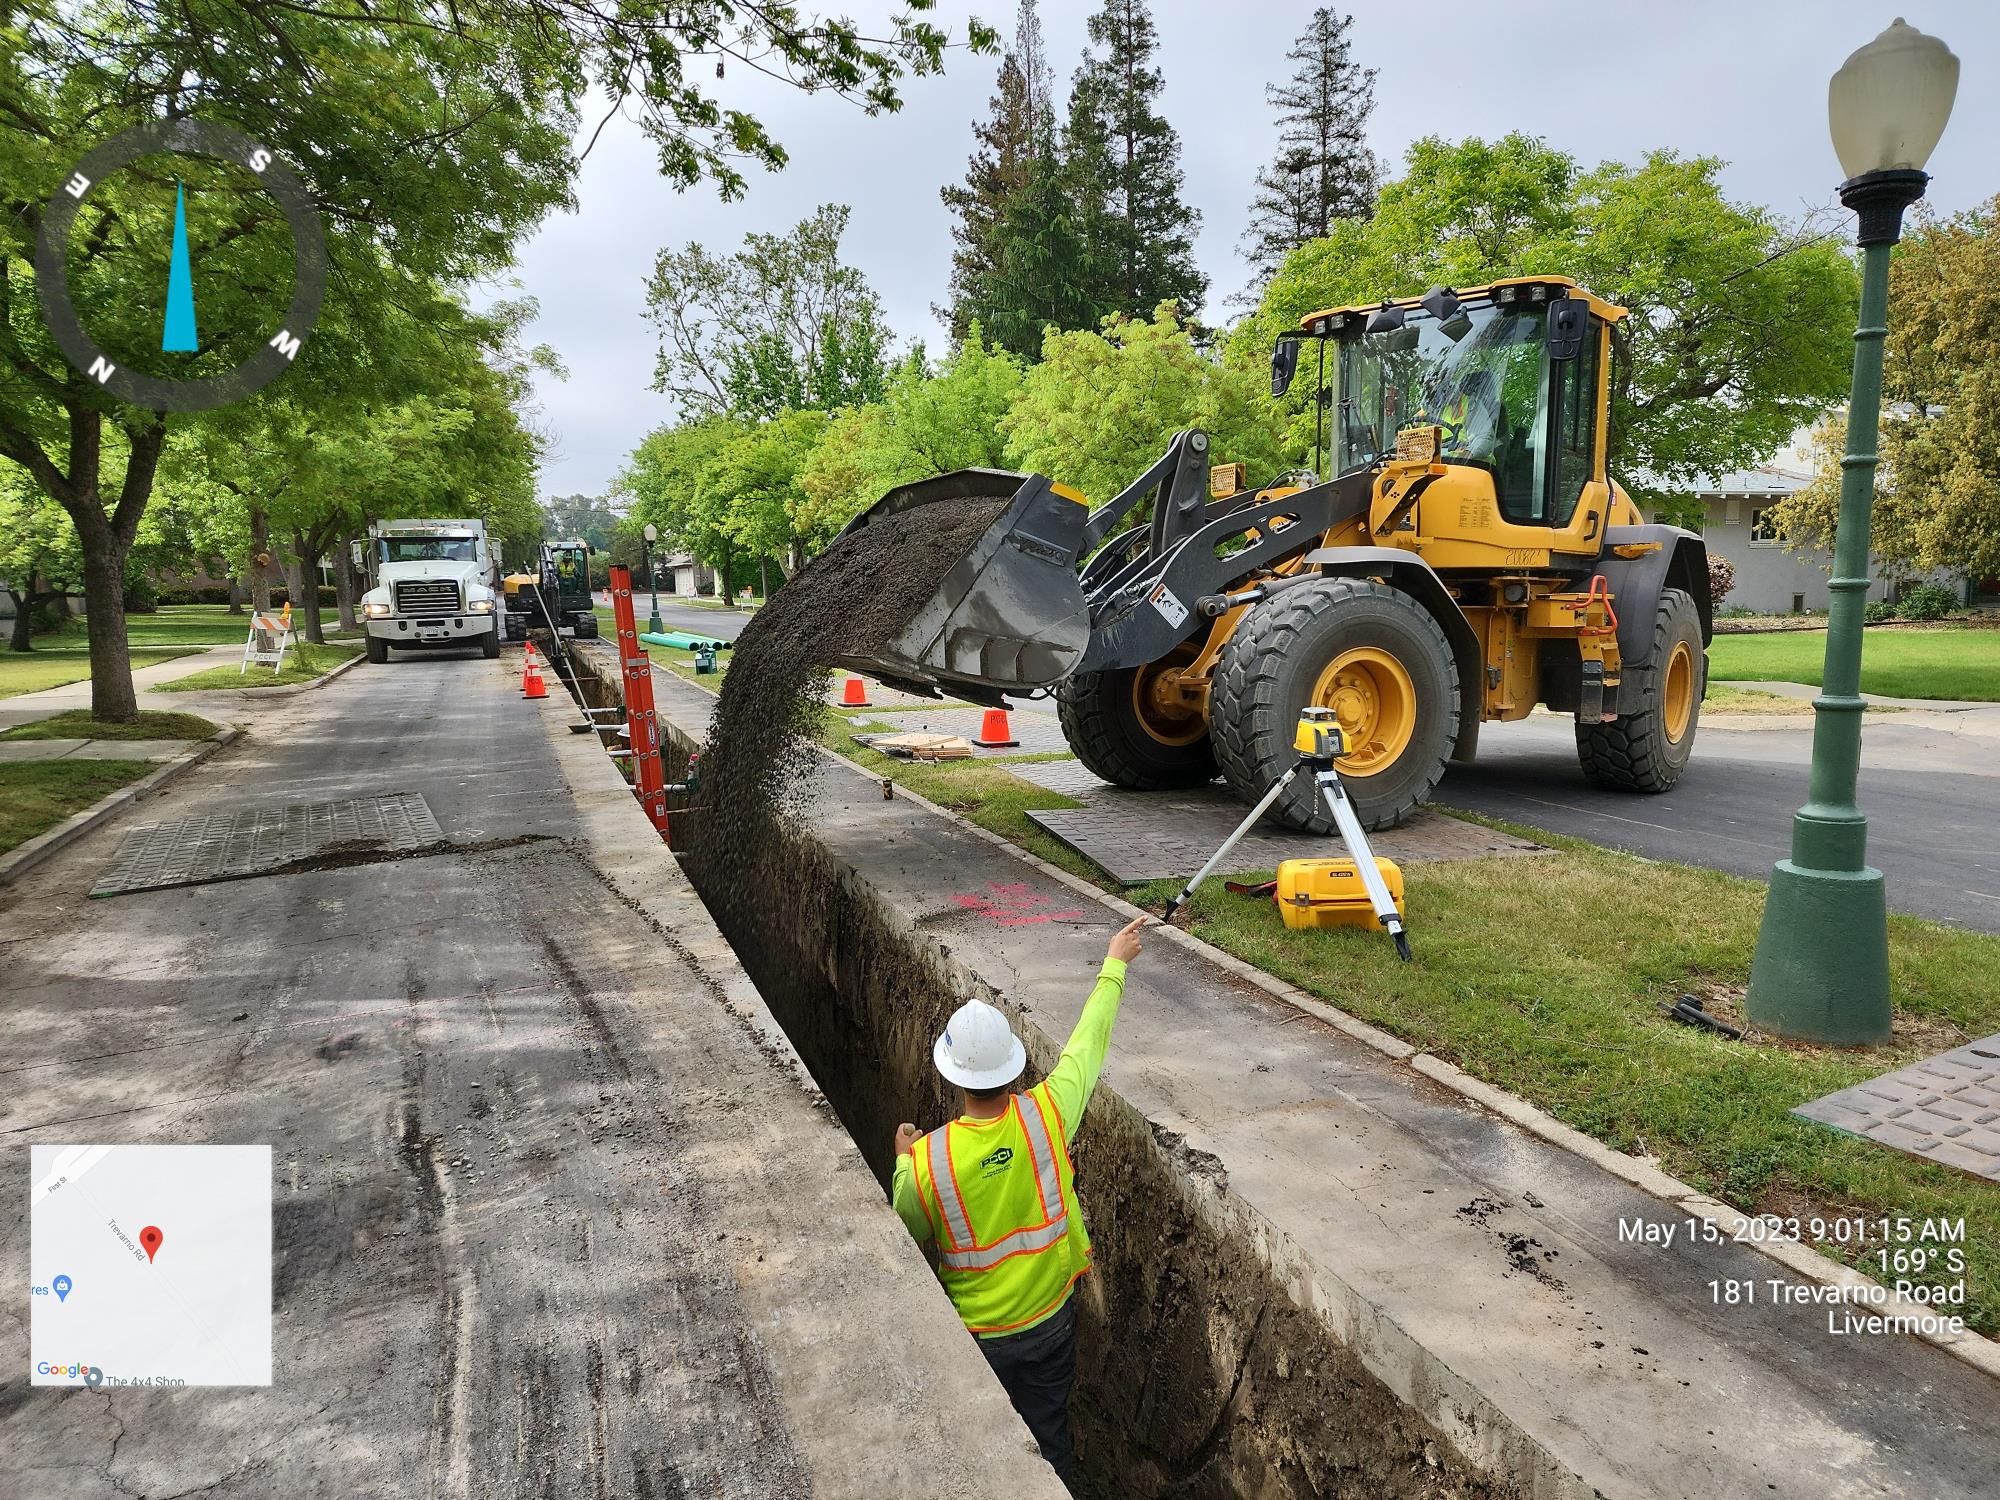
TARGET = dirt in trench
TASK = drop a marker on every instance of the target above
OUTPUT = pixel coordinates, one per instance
(849, 601)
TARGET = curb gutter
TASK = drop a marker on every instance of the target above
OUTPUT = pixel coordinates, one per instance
(19, 861)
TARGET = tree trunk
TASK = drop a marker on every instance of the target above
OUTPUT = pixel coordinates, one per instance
(112, 699)
(24, 626)
(237, 593)
(764, 577)
(305, 592)
(344, 589)
(260, 550)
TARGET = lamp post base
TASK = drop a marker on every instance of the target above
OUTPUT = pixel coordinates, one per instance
(1821, 973)
(656, 626)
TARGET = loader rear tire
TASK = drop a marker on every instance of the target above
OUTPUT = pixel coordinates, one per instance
(1102, 720)
(1371, 653)
(1647, 750)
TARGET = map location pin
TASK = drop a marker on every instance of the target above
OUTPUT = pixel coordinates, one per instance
(62, 1284)
(93, 1377)
(151, 1238)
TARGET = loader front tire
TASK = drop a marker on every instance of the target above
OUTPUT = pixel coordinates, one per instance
(1372, 654)
(1646, 751)
(1104, 718)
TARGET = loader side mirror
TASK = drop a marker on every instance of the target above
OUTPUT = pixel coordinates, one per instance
(1284, 365)
(1569, 320)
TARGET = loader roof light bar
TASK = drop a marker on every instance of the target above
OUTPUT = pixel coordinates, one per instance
(1338, 322)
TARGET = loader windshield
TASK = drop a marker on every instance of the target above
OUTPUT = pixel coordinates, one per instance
(1487, 388)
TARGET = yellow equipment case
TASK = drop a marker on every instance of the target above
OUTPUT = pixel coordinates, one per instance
(1329, 892)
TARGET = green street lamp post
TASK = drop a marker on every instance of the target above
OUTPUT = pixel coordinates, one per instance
(1822, 967)
(653, 625)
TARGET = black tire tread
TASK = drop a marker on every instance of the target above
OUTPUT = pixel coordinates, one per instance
(1627, 755)
(1090, 709)
(378, 649)
(1248, 677)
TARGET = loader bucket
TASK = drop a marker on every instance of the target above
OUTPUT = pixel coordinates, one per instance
(1009, 615)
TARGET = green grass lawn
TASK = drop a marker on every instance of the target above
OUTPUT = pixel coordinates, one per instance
(1941, 663)
(77, 724)
(37, 795)
(1574, 1026)
(303, 663)
(59, 665)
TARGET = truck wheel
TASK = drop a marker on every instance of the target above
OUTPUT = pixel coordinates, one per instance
(1646, 751)
(489, 644)
(1370, 653)
(1132, 735)
(378, 650)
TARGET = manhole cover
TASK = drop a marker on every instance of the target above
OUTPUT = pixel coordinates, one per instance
(230, 846)
(1945, 1108)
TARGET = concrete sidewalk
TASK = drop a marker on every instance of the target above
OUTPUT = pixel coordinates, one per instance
(26, 708)
(555, 1211)
(1551, 1323)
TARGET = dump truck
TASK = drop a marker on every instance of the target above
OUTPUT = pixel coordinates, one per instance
(1466, 559)
(557, 594)
(432, 584)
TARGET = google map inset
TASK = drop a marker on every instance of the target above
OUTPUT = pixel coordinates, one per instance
(150, 1265)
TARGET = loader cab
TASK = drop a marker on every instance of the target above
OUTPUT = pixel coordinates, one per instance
(1514, 377)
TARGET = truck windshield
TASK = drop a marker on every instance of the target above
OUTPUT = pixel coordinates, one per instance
(399, 549)
(1487, 388)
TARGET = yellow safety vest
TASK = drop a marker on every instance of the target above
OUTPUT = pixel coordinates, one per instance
(1001, 1200)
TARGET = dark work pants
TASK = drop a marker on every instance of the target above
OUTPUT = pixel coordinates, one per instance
(1037, 1369)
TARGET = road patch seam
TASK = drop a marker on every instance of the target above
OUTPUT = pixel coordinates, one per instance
(19, 861)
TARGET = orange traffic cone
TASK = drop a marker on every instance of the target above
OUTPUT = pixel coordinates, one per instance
(532, 685)
(854, 694)
(994, 731)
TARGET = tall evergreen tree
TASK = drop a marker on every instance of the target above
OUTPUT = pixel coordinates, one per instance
(1323, 170)
(1021, 112)
(1139, 238)
(1042, 275)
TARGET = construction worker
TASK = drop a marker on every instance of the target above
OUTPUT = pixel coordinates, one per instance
(995, 1191)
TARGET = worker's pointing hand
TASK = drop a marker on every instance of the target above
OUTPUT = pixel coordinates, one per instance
(906, 1138)
(1125, 941)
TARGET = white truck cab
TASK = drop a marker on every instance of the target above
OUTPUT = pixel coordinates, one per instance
(431, 584)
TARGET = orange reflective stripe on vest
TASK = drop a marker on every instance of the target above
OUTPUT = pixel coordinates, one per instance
(959, 1247)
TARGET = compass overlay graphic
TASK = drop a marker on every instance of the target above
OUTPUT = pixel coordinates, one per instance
(194, 138)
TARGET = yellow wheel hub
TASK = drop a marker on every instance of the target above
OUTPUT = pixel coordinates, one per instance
(1161, 710)
(1375, 702)
(1679, 699)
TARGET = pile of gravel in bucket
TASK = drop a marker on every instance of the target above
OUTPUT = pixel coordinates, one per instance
(849, 601)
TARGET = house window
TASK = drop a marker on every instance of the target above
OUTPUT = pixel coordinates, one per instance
(1762, 533)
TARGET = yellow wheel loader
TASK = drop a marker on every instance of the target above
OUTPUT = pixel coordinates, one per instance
(1468, 559)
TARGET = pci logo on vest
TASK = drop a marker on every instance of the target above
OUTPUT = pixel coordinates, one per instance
(996, 1162)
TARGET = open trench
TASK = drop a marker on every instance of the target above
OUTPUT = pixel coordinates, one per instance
(1207, 1364)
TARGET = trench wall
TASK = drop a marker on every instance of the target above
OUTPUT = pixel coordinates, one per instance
(1208, 1360)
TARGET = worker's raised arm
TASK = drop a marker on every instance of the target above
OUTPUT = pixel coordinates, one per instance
(1075, 1074)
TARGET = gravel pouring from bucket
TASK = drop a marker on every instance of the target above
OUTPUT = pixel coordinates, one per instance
(1009, 615)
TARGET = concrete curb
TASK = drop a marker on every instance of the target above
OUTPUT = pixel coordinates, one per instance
(1974, 1349)
(19, 861)
(289, 689)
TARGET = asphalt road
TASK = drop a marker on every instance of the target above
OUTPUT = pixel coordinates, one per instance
(494, 1275)
(723, 624)
(1930, 785)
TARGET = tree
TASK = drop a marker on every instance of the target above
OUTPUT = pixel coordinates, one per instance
(413, 134)
(1123, 163)
(930, 423)
(1740, 321)
(997, 170)
(1100, 407)
(1937, 498)
(663, 480)
(751, 487)
(780, 324)
(588, 518)
(39, 556)
(1041, 277)
(1323, 170)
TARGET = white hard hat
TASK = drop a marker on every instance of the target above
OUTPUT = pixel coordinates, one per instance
(979, 1049)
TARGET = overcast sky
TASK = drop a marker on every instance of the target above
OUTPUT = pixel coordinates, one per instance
(1743, 80)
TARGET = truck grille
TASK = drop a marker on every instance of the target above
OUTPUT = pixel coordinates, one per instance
(426, 596)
